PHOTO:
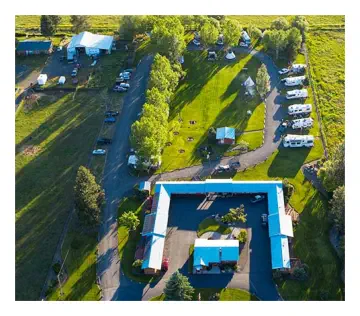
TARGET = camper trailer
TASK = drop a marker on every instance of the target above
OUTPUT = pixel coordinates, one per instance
(296, 68)
(302, 123)
(294, 81)
(298, 141)
(297, 94)
(296, 109)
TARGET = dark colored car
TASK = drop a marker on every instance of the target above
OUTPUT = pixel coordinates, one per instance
(110, 120)
(104, 141)
(119, 89)
(112, 113)
(165, 264)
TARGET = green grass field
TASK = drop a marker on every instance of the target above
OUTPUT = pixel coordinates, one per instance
(61, 132)
(211, 225)
(212, 95)
(225, 295)
(327, 59)
(311, 242)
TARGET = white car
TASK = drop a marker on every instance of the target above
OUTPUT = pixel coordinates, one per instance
(99, 152)
(196, 42)
(93, 63)
(242, 44)
(124, 85)
(284, 71)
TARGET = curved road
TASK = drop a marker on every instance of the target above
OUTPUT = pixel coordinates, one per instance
(118, 182)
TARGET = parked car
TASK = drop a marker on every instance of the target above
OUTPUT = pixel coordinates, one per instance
(104, 141)
(99, 152)
(128, 70)
(284, 71)
(119, 89)
(258, 198)
(242, 44)
(124, 85)
(112, 113)
(221, 168)
(74, 72)
(196, 42)
(165, 264)
(125, 75)
(110, 120)
(264, 220)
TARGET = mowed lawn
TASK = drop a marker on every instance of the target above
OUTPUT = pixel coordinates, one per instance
(311, 242)
(212, 95)
(327, 59)
(62, 130)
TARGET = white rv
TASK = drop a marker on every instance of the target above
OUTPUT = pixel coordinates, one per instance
(299, 109)
(298, 68)
(294, 81)
(298, 141)
(302, 123)
(297, 94)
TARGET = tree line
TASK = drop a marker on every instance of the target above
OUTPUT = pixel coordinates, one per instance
(49, 24)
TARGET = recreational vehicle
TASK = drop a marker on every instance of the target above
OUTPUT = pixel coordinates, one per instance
(302, 123)
(296, 68)
(296, 109)
(294, 81)
(298, 141)
(297, 94)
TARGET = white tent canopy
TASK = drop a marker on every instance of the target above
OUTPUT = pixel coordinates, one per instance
(249, 82)
(87, 39)
(41, 80)
(230, 55)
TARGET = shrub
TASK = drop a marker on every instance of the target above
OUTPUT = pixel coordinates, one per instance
(235, 215)
(277, 274)
(212, 133)
(288, 190)
(214, 297)
(243, 145)
(137, 263)
(242, 237)
(300, 273)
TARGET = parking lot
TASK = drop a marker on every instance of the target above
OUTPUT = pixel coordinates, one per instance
(255, 272)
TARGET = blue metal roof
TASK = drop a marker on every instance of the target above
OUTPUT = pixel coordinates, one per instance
(33, 45)
(280, 257)
(225, 132)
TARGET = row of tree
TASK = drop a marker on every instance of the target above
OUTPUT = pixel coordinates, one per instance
(150, 133)
(49, 24)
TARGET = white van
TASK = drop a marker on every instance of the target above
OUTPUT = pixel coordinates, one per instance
(299, 109)
(302, 123)
(294, 81)
(298, 141)
(297, 94)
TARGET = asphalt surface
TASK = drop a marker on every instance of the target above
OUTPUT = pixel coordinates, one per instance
(118, 182)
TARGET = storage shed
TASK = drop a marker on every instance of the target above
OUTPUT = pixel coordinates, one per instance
(225, 135)
(29, 47)
(90, 44)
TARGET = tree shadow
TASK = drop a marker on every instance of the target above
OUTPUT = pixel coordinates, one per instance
(284, 167)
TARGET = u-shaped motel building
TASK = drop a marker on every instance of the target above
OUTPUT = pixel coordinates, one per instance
(155, 223)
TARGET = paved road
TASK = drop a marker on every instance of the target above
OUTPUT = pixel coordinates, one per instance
(117, 181)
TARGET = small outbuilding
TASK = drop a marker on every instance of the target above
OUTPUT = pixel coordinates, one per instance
(41, 80)
(225, 135)
(62, 80)
(210, 253)
(29, 47)
(249, 85)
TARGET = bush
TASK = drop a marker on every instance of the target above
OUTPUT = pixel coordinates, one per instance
(214, 297)
(212, 133)
(288, 190)
(277, 274)
(56, 267)
(137, 263)
(300, 274)
(242, 237)
(141, 195)
(243, 145)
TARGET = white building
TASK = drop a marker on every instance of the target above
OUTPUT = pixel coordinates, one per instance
(298, 141)
(299, 109)
(90, 44)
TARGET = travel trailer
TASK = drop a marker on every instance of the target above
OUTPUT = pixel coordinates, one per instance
(298, 141)
(302, 123)
(294, 81)
(296, 109)
(297, 94)
(296, 68)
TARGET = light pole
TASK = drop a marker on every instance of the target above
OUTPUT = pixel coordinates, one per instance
(58, 275)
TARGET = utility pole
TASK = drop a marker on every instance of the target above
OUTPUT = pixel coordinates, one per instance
(58, 275)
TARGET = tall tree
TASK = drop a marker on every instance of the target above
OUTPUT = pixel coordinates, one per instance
(88, 196)
(263, 81)
(231, 31)
(160, 112)
(129, 220)
(280, 24)
(80, 23)
(209, 34)
(294, 42)
(47, 26)
(178, 288)
(130, 25)
(332, 173)
(276, 40)
(337, 209)
(162, 75)
(155, 97)
(301, 24)
(55, 19)
(254, 32)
